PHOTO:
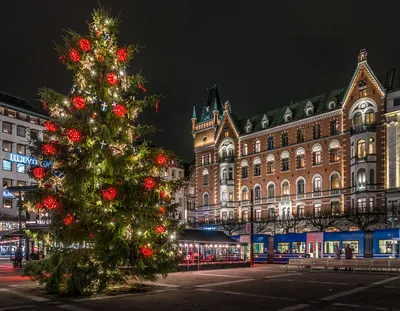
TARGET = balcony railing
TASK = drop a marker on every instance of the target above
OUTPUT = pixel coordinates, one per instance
(227, 159)
(335, 191)
(300, 195)
(363, 128)
(227, 182)
(317, 194)
(367, 158)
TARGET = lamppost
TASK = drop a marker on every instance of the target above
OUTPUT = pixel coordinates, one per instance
(20, 190)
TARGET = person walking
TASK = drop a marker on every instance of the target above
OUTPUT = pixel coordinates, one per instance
(348, 254)
(18, 257)
(338, 252)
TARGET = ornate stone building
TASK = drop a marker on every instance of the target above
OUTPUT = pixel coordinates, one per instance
(327, 152)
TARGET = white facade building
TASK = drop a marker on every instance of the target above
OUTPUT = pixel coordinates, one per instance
(172, 173)
(18, 123)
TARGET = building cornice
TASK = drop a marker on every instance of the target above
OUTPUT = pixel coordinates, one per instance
(204, 148)
(293, 124)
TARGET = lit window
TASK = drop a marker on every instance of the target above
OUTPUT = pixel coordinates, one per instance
(361, 150)
(205, 177)
(357, 119)
(7, 165)
(245, 194)
(257, 192)
(244, 149)
(21, 149)
(361, 178)
(21, 168)
(11, 113)
(205, 199)
(317, 208)
(7, 146)
(258, 146)
(370, 117)
(371, 146)
(7, 203)
(271, 191)
(285, 188)
(7, 128)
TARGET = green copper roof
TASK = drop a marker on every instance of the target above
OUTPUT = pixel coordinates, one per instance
(194, 113)
(212, 102)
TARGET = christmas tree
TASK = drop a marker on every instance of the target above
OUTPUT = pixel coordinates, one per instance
(104, 191)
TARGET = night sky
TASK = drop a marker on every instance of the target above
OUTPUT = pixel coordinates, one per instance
(261, 54)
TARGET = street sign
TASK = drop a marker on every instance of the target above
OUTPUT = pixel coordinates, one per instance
(248, 228)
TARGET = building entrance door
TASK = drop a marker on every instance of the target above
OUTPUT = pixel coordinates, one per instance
(314, 244)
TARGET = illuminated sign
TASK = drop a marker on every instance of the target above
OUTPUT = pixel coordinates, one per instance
(8, 194)
(23, 159)
(208, 227)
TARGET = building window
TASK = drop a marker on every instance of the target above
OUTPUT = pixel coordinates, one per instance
(285, 188)
(317, 157)
(353, 182)
(333, 127)
(7, 165)
(396, 102)
(7, 128)
(371, 146)
(357, 119)
(224, 196)
(245, 171)
(21, 131)
(258, 215)
(244, 149)
(317, 186)
(7, 182)
(270, 143)
(34, 134)
(371, 204)
(21, 168)
(245, 215)
(285, 139)
(370, 117)
(316, 131)
(21, 183)
(317, 208)
(300, 210)
(230, 215)
(362, 205)
(371, 177)
(361, 150)
(224, 216)
(11, 113)
(285, 164)
(205, 199)
(335, 209)
(300, 135)
(301, 186)
(7, 203)
(206, 219)
(205, 177)
(257, 192)
(334, 155)
(257, 169)
(361, 178)
(271, 191)
(300, 161)
(245, 194)
(230, 174)
(21, 149)
(230, 198)
(7, 146)
(363, 93)
(257, 146)
(335, 184)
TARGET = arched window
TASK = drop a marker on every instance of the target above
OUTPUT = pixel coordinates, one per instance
(361, 178)
(285, 160)
(206, 199)
(245, 194)
(371, 177)
(371, 146)
(270, 143)
(245, 169)
(300, 158)
(271, 190)
(224, 175)
(224, 152)
(300, 186)
(285, 188)
(270, 164)
(257, 166)
(226, 148)
(317, 185)
(334, 151)
(257, 192)
(357, 119)
(316, 154)
(335, 183)
(361, 150)
(244, 149)
(257, 146)
(332, 105)
(285, 139)
(230, 173)
(205, 177)
(370, 117)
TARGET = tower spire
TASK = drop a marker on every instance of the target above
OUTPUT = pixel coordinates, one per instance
(194, 113)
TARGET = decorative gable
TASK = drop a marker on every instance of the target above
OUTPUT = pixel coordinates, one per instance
(288, 115)
(249, 126)
(309, 109)
(264, 121)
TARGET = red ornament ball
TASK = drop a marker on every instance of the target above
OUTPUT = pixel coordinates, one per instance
(79, 102)
(61, 59)
(50, 126)
(50, 202)
(164, 196)
(160, 229)
(162, 210)
(74, 55)
(119, 110)
(122, 55)
(161, 159)
(49, 149)
(39, 172)
(68, 219)
(149, 183)
(147, 251)
(84, 44)
(74, 135)
(110, 193)
(112, 78)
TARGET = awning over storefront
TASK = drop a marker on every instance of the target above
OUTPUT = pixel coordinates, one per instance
(206, 236)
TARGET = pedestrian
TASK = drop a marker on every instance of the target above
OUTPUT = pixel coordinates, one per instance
(18, 257)
(338, 252)
(348, 254)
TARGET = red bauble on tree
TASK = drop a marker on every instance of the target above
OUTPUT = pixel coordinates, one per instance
(112, 78)
(79, 102)
(50, 202)
(74, 135)
(147, 251)
(160, 229)
(142, 88)
(164, 196)
(110, 193)
(49, 149)
(162, 211)
(74, 55)
(122, 55)
(149, 183)
(68, 219)
(50, 126)
(84, 44)
(61, 59)
(161, 159)
(39, 172)
(119, 110)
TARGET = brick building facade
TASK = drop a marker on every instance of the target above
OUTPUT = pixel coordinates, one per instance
(324, 153)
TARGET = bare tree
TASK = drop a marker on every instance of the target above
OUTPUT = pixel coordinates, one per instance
(366, 220)
(288, 223)
(262, 225)
(231, 226)
(322, 220)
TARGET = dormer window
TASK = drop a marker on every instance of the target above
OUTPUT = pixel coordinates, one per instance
(331, 105)
(287, 116)
(249, 126)
(264, 121)
(309, 109)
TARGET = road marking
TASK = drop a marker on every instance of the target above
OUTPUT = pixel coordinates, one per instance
(73, 308)
(159, 284)
(280, 275)
(295, 307)
(17, 307)
(223, 275)
(245, 294)
(101, 297)
(348, 292)
(314, 282)
(385, 281)
(223, 283)
(31, 297)
(358, 306)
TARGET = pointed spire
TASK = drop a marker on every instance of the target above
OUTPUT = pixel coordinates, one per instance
(194, 113)
(362, 56)
(215, 106)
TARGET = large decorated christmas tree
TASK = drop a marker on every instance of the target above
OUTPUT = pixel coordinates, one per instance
(104, 191)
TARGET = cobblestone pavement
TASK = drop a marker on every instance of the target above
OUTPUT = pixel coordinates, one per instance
(263, 287)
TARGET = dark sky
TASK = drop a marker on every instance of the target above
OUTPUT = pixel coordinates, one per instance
(261, 54)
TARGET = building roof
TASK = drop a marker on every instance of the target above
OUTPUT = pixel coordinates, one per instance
(208, 236)
(20, 104)
(212, 102)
